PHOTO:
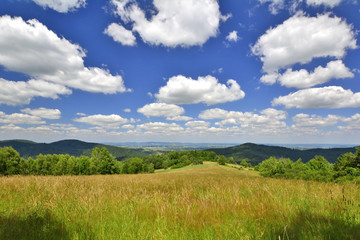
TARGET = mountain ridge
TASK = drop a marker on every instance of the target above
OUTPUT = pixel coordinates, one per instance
(256, 153)
(253, 153)
(70, 146)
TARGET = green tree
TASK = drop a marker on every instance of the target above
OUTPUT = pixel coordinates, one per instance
(106, 162)
(135, 166)
(267, 168)
(151, 168)
(125, 168)
(221, 160)
(9, 161)
(84, 165)
(318, 169)
(244, 163)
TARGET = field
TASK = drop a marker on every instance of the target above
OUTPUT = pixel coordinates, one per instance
(198, 203)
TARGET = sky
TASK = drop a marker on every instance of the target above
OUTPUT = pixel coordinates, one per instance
(227, 71)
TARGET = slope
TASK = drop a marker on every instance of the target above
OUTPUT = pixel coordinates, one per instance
(255, 153)
(72, 147)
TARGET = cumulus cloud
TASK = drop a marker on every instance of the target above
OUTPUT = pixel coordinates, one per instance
(62, 6)
(160, 127)
(183, 90)
(176, 22)
(127, 126)
(19, 118)
(20, 93)
(105, 121)
(43, 113)
(179, 118)
(304, 79)
(233, 36)
(328, 3)
(120, 34)
(269, 118)
(161, 110)
(353, 124)
(301, 38)
(198, 125)
(326, 97)
(32, 49)
(306, 120)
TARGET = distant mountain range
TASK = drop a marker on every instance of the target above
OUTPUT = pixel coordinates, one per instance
(253, 153)
(72, 147)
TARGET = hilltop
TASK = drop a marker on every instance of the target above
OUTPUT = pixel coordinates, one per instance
(256, 153)
(253, 153)
(72, 147)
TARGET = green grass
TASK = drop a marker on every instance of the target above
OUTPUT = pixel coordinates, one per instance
(199, 203)
(187, 167)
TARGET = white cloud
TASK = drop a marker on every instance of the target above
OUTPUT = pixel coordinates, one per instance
(105, 121)
(62, 6)
(120, 34)
(179, 118)
(301, 38)
(183, 90)
(198, 125)
(128, 126)
(304, 79)
(176, 22)
(326, 97)
(353, 124)
(233, 36)
(275, 5)
(20, 93)
(268, 118)
(160, 127)
(217, 113)
(32, 49)
(43, 113)
(161, 110)
(305, 120)
(19, 118)
(127, 110)
(328, 3)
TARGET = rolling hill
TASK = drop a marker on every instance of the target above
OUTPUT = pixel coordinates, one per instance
(255, 153)
(71, 147)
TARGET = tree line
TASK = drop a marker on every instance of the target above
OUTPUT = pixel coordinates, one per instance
(100, 162)
(346, 168)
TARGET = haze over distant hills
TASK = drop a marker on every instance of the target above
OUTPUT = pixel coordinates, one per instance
(254, 153)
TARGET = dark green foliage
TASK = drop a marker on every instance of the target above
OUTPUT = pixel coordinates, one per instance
(221, 160)
(136, 166)
(318, 169)
(244, 163)
(9, 161)
(346, 168)
(72, 147)
(179, 159)
(257, 153)
(101, 162)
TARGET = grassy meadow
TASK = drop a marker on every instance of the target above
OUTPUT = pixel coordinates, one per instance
(213, 202)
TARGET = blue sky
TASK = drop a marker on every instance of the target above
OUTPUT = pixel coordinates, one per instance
(227, 71)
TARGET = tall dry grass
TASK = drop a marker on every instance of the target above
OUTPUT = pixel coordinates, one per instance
(202, 203)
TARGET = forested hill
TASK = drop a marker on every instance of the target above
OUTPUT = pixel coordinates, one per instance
(255, 153)
(72, 147)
